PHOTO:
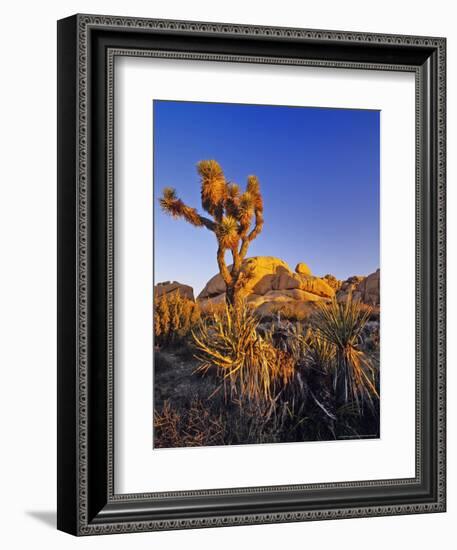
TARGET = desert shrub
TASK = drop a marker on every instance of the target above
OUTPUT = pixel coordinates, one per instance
(218, 422)
(192, 426)
(277, 381)
(371, 337)
(249, 365)
(354, 376)
(320, 352)
(174, 318)
(310, 396)
(210, 309)
(372, 311)
(250, 399)
(288, 312)
(289, 337)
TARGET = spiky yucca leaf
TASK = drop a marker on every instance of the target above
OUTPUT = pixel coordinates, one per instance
(320, 351)
(213, 185)
(227, 232)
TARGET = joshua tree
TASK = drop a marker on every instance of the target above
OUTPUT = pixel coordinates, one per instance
(233, 214)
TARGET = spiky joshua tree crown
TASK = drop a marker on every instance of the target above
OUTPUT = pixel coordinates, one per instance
(236, 218)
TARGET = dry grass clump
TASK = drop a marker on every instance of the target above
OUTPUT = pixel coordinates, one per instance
(249, 364)
(216, 422)
(354, 376)
(174, 318)
(190, 427)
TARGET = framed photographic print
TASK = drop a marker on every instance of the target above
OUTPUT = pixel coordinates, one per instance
(251, 274)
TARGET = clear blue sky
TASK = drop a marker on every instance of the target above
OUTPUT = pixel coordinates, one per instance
(319, 175)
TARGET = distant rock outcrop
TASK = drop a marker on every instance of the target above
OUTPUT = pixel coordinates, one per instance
(369, 289)
(170, 287)
(363, 289)
(349, 288)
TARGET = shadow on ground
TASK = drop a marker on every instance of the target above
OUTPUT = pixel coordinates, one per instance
(48, 517)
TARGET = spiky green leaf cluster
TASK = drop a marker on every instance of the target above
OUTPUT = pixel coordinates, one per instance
(227, 233)
(213, 186)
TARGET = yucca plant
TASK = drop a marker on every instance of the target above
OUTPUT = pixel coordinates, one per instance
(249, 365)
(237, 219)
(341, 325)
(320, 352)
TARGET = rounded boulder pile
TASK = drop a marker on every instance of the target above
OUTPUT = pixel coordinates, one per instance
(272, 286)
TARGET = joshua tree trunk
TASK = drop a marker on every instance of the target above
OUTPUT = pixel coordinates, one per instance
(230, 295)
(233, 296)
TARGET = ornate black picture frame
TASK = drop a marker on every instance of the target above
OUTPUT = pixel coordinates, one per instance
(87, 46)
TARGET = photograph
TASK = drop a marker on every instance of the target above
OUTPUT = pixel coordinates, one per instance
(266, 308)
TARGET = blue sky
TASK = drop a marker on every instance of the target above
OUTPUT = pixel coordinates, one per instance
(319, 175)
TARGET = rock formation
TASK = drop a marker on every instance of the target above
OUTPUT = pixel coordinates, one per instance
(271, 284)
(364, 289)
(303, 269)
(170, 287)
(369, 289)
(349, 288)
(332, 281)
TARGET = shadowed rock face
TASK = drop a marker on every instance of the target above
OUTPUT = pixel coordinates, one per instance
(170, 287)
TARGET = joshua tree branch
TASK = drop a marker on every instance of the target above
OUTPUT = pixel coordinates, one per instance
(193, 217)
(252, 235)
(209, 224)
(258, 226)
(175, 207)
